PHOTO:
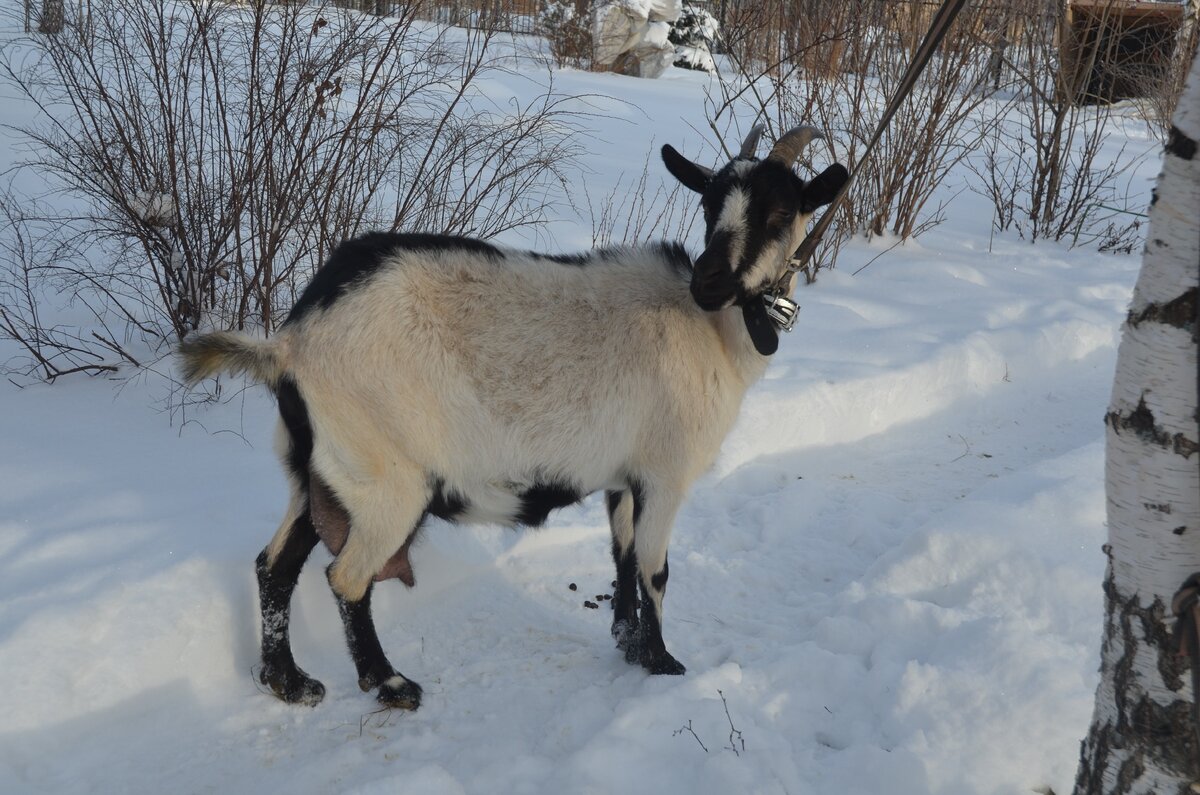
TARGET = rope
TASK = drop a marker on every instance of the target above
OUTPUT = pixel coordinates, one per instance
(937, 31)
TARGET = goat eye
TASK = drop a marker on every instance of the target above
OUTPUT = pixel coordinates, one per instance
(779, 220)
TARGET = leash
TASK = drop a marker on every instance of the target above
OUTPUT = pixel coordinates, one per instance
(781, 309)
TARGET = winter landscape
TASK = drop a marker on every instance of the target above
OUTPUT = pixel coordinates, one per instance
(889, 582)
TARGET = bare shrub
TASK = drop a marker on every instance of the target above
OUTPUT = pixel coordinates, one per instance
(1001, 96)
(220, 151)
(642, 209)
(836, 65)
(1043, 167)
(567, 28)
(40, 263)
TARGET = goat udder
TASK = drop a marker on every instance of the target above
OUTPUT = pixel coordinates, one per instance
(332, 523)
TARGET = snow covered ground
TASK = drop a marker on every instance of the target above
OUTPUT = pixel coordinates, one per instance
(890, 583)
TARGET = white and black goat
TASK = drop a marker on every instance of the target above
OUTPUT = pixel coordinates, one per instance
(424, 375)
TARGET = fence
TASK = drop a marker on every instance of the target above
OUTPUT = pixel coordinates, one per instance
(512, 16)
(1110, 48)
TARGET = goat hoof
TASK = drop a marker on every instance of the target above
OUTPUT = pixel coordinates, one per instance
(664, 664)
(399, 693)
(632, 641)
(626, 634)
(294, 687)
(375, 678)
(633, 652)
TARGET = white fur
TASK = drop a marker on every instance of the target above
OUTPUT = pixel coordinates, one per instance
(733, 221)
(766, 268)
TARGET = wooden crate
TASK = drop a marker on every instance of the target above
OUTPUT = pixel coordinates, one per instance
(1111, 50)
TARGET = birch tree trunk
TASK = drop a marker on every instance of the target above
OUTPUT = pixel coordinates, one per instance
(1142, 739)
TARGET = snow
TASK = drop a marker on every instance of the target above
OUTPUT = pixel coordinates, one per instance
(155, 209)
(890, 582)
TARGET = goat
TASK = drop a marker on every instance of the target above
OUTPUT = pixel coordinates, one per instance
(423, 375)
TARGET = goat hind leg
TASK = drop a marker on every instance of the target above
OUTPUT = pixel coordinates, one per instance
(278, 567)
(374, 670)
(383, 514)
(383, 517)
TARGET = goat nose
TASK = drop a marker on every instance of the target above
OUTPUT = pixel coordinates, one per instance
(713, 285)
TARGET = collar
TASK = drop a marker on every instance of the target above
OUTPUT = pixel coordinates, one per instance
(781, 310)
(765, 316)
(768, 313)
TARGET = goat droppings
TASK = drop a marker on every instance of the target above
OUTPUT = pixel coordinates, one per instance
(573, 587)
(590, 605)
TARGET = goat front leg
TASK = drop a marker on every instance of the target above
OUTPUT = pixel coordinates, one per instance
(654, 513)
(622, 508)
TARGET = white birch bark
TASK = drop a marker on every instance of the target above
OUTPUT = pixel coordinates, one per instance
(1142, 739)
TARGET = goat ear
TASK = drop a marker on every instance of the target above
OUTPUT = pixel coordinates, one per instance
(821, 190)
(713, 283)
(692, 176)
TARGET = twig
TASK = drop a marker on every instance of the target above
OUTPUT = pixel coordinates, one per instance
(735, 736)
(365, 719)
(688, 728)
(877, 256)
(258, 685)
(967, 452)
(112, 344)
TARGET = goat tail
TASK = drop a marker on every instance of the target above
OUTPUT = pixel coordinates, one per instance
(230, 352)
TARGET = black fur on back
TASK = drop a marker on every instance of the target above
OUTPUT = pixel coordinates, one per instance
(357, 259)
(677, 258)
(564, 259)
(673, 254)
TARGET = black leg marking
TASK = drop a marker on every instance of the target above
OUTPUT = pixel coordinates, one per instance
(639, 500)
(276, 582)
(625, 599)
(374, 670)
(654, 656)
(370, 661)
(659, 581)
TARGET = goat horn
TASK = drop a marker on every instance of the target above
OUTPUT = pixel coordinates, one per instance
(789, 146)
(751, 142)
